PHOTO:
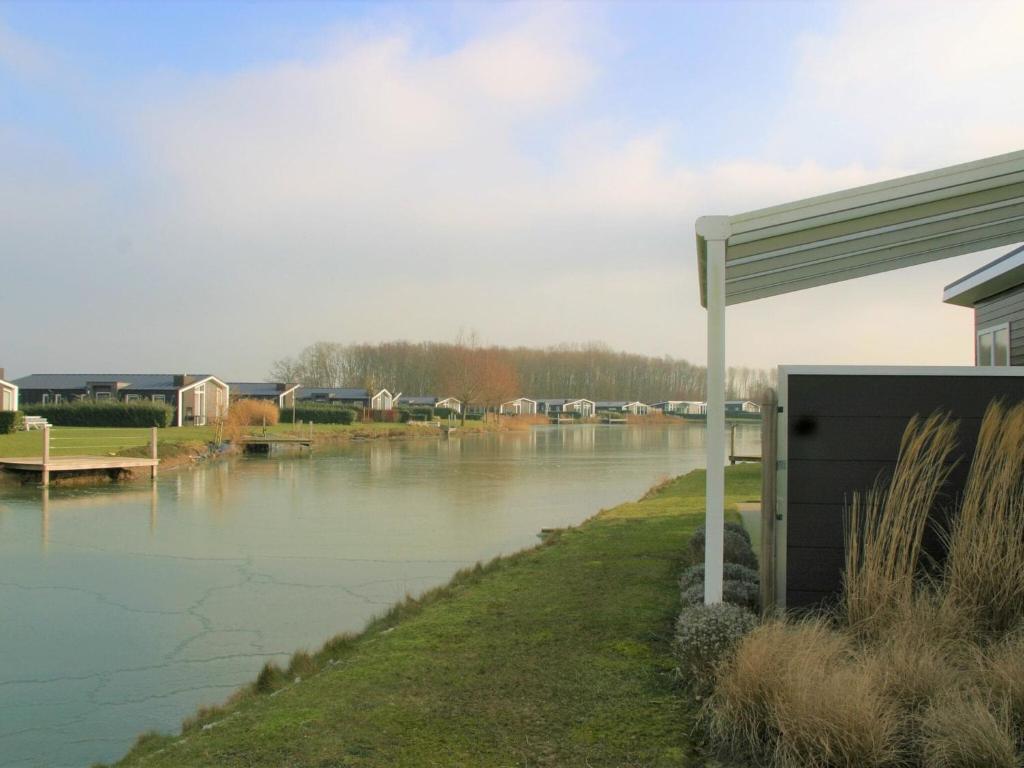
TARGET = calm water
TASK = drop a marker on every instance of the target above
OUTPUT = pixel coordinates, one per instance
(123, 608)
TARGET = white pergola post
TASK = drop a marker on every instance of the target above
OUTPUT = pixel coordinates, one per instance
(715, 230)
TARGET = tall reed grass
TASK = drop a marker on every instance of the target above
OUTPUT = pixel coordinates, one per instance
(919, 667)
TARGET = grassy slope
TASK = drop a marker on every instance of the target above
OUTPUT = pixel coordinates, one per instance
(555, 656)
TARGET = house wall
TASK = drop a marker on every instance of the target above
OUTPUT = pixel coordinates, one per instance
(8, 398)
(1007, 307)
(838, 433)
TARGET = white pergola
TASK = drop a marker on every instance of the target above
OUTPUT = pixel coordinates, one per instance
(876, 228)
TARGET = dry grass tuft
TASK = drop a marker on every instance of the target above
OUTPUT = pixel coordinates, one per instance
(968, 730)
(886, 526)
(798, 695)
(985, 564)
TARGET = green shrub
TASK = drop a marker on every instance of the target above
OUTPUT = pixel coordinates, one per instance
(694, 575)
(444, 413)
(10, 421)
(736, 546)
(319, 413)
(421, 413)
(739, 593)
(104, 413)
(705, 636)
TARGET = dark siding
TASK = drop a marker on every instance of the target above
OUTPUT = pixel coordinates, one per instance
(1007, 307)
(844, 434)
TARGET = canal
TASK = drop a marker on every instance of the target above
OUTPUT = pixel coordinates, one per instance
(125, 607)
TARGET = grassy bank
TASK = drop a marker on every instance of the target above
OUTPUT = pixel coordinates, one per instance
(555, 656)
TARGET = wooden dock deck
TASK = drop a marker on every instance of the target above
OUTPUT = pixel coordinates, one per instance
(76, 464)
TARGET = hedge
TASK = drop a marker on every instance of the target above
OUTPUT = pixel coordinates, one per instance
(10, 421)
(104, 413)
(319, 414)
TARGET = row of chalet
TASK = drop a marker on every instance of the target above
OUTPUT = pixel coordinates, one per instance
(550, 406)
(197, 399)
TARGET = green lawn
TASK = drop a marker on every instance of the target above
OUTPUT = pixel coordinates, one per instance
(556, 656)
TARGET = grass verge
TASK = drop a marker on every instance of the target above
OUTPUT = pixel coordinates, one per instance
(555, 656)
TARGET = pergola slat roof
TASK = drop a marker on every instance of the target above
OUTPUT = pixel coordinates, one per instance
(875, 228)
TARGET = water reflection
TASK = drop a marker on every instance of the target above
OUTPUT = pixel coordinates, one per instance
(126, 606)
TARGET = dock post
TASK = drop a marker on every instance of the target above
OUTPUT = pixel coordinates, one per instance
(46, 455)
(152, 451)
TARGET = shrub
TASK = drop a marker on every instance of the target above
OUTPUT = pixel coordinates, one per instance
(705, 635)
(444, 413)
(319, 413)
(10, 421)
(741, 593)
(736, 545)
(248, 412)
(694, 575)
(104, 413)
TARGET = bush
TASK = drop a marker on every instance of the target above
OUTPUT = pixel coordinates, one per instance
(694, 575)
(104, 413)
(247, 412)
(444, 413)
(10, 421)
(741, 593)
(736, 544)
(705, 636)
(319, 413)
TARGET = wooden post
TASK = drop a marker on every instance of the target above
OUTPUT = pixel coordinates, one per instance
(769, 456)
(152, 452)
(46, 456)
(732, 445)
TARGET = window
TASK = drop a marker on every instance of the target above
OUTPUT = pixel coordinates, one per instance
(994, 345)
(46, 398)
(57, 399)
(102, 395)
(132, 398)
(159, 398)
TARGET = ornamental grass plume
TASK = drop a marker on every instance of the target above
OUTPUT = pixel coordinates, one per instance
(885, 527)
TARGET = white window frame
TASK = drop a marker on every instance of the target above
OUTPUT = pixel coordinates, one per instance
(132, 397)
(46, 398)
(58, 398)
(102, 396)
(159, 398)
(991, 331)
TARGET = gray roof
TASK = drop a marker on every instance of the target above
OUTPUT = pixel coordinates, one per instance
(333, 393)
(137, 381)
(1003, 274)
(613, 403)
(259, 388)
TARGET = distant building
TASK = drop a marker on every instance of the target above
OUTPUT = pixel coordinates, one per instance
(431, 401)
(195, 398)
(741, 406)
(451, 403)
(521, 406)
(282, 394)
(350, 396)
(552, 405)
(996, 293)
(634, 407)
(8, 394)
(681, 407)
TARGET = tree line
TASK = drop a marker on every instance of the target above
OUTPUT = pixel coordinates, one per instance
(485, 374)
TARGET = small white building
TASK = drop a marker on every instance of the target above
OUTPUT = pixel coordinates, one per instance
(8, 396)
(637, 408)
(451, 403)
(682, 407)
(521, 406)
(585, 408)
(384, 401)
(742, 406)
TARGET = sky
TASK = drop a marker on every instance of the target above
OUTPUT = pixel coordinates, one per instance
(209, 187)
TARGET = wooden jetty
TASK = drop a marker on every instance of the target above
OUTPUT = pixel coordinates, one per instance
(608, 419)
(47, 464)
(733, 457)
(268, 441)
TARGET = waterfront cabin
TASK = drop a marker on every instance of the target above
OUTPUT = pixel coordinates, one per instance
(8, 394)
(634, 407)
(521, 406)
(384, 401)
(741, 406)
(196, 398)
(349, 396)
(430, 401)
(996, 293)
(281, 394)
(554, 405)
(682, 407)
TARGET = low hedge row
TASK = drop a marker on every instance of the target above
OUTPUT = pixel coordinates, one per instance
(10, 421)
(318, 413)
(104, 413)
